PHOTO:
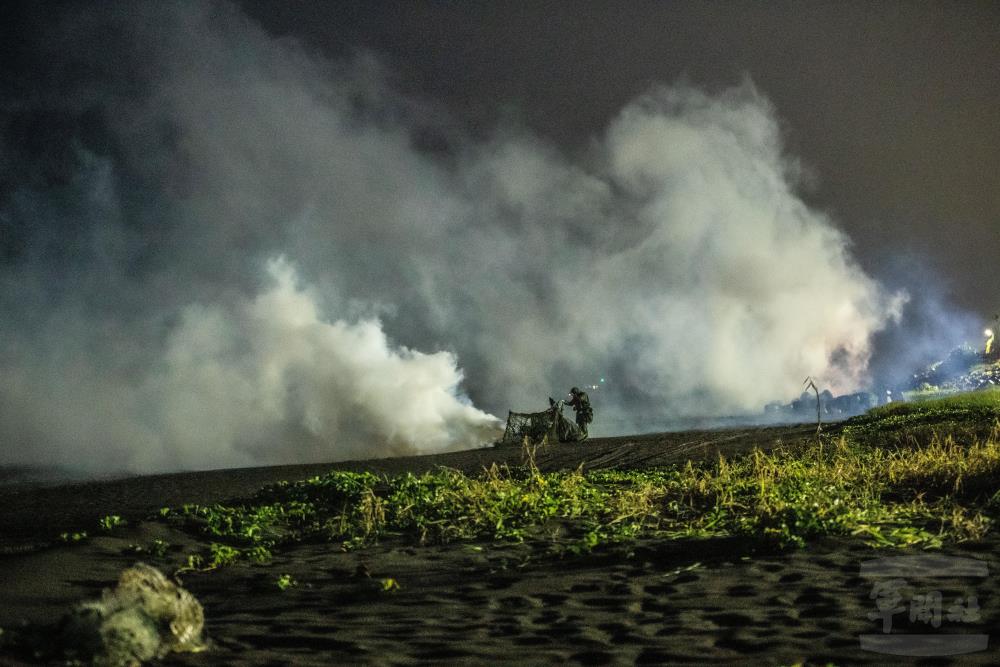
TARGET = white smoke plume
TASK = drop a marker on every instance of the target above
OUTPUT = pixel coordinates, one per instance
(147, 323)
(274, 380)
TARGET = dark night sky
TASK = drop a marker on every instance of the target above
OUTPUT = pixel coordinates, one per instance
(894, 105)
(246, 231)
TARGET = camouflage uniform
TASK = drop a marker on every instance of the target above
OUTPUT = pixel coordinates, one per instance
(581, 405)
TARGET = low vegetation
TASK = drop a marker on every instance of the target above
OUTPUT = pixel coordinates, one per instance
(965, 417)
(935, 480)
(111, 523)
(285, 581)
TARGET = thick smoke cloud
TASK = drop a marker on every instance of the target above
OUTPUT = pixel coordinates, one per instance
(220, 249)
(286, 384)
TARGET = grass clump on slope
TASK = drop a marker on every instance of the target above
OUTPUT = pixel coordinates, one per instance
(965, 417)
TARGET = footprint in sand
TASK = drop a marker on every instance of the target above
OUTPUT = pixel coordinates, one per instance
(619, 633)
(552, 599)
(661, 606)
(584, 588)
(731, 620)
(742, 591)
(660, 590)
(750, 645)
(652, 656)
(442, 653)
(500, 583)
(547, 617)
(610, 603)
(593, 658)
(517, 603)
(532, 640)
(809, 634)
(504, 630)
(562, 630)
(812, 595)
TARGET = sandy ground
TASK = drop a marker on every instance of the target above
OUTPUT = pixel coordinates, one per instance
(651, 602)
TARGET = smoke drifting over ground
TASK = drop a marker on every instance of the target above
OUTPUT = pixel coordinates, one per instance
(219, 249)
(274, 380)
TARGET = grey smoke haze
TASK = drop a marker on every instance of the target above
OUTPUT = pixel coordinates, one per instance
(240, 252)
(930, 327)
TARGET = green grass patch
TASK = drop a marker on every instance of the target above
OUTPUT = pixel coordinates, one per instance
(964, 417)
(907, 474)
(111, 523)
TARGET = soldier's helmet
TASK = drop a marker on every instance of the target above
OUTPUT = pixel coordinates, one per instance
(574, 390)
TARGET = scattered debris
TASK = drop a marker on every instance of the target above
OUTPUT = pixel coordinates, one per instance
(836, 407)
(549, 425)
(145, 616)
(963, 369)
